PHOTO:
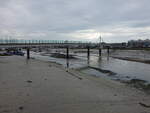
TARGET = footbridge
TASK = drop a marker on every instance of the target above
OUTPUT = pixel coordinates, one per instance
(28, 44)
(41, 43)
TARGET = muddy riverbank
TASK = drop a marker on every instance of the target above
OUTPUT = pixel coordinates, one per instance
(40, 86)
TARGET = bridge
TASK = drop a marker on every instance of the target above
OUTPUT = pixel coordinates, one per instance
(27, 44)
(42, 43)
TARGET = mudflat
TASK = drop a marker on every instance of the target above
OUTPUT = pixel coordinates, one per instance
(33, 86)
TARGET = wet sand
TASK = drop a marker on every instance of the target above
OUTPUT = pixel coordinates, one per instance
(32, 86)
(133, 59)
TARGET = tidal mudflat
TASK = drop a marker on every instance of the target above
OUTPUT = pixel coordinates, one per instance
(34, 86)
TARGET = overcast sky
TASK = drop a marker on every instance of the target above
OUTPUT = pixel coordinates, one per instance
(114, 20)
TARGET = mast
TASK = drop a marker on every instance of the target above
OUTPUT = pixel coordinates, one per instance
(100, 47)
(100, 40)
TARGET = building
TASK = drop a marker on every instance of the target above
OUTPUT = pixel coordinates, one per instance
(139, 43)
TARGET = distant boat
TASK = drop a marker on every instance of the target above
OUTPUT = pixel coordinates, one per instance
(20, 53)
(62, 55)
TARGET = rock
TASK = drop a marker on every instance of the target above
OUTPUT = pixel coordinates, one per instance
(21, 108)
(115, 94)
(29, 81)
(144, 105)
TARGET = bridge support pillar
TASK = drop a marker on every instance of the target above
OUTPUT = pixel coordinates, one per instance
(108, 50)
(67, 56)
(88, 52)
(88, 55)
(67, 52)
(100, 52)
(28, 53)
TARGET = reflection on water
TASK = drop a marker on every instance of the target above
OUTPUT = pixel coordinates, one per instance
(88, 61)
(124, 69)
(67, 63)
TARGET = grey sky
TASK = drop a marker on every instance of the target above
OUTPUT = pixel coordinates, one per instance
(115, 20)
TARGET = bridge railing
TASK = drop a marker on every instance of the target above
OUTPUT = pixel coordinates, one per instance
(18, 41)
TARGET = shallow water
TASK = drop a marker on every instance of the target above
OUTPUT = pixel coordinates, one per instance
(124, 69)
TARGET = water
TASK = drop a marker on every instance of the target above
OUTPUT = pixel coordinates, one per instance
(124, 69)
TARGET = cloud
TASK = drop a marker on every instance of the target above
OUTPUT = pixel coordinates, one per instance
(115, 20)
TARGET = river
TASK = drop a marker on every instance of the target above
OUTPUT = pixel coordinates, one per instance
(124, 69)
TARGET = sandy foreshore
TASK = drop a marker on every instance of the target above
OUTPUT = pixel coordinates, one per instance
(133, 59)
(33, 86)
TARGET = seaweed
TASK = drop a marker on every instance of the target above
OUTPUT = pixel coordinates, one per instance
(139, 84)
(59, 55)
(103, 71)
